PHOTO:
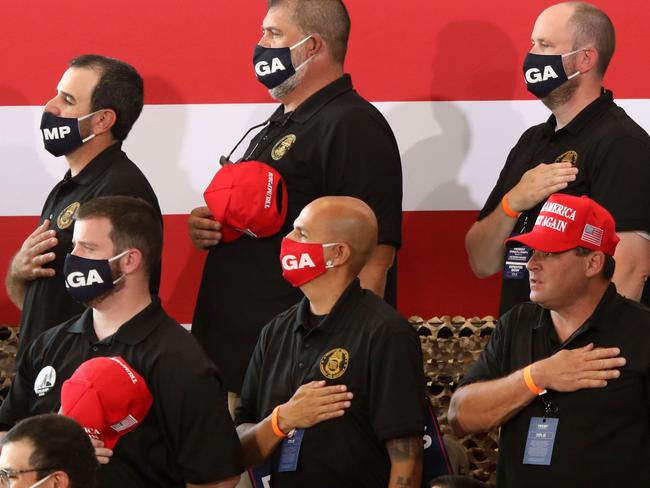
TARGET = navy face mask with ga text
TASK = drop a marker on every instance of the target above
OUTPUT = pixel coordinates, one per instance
(86, 279)
(545, 72)
(273, 65)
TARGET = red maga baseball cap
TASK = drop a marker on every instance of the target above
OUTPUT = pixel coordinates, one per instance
(249, 197)
(566, 222)
(107, 398)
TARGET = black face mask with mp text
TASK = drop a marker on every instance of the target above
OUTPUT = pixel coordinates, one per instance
(61, 135)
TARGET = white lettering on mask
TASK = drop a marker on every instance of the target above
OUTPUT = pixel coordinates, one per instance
(533, 75)
(290, 262)
(262, 68)
(77, 279)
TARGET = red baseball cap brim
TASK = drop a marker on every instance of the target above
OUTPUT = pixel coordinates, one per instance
(542, 242)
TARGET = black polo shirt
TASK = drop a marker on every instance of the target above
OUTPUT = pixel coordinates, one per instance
(603, 436)
(188, 435)
(363, 344)
(338, 144)
(111, 173)
(613, 159)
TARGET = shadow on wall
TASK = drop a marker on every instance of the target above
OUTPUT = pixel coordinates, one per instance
(157, 143)
(433, 163)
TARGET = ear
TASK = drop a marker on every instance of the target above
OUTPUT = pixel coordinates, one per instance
(587, 60)
(594, 263)
(103, 121)
(315, 44)
(60, 479)
(339, 254)
(132, 261)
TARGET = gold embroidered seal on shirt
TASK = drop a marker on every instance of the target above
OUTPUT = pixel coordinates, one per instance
(282, 146)
(66, 217)
(334, 363)
(568, 157)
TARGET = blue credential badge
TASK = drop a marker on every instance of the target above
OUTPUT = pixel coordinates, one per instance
(289, 451)
(516, 259)
(539, 444)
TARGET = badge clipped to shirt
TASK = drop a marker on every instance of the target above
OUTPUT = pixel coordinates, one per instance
(540, 441)
(289, 451)
(516, 259)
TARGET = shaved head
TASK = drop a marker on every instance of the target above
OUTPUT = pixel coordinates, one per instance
(587, 25)
(342, 220)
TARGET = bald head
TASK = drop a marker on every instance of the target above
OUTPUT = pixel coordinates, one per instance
(588, 26)
(341, 219)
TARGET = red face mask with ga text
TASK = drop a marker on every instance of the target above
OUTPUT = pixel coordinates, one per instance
(303, 261)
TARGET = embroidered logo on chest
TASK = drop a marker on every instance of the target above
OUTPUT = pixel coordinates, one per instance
(282, 146)
(568, 157)
(66, 217)
(334, 363)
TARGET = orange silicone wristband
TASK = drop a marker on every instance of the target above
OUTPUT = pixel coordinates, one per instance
(275, 425)
(528, 378)
(506, 208)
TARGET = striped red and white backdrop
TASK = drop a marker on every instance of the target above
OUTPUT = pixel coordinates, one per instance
(446, 75)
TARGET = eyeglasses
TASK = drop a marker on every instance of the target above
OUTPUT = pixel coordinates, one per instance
(7, 474)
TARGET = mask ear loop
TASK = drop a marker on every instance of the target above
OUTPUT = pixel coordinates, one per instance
(298, 44)
(328, 263)
(571, 54)
(115, 258)
(91, 136)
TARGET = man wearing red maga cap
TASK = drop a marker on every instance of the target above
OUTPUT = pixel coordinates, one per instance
(187, 439)
(566, 377)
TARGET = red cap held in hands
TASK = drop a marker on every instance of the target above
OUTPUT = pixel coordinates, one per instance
(249, 197)
(107, 397)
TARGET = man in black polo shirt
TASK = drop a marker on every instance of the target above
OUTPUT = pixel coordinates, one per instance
(566, 377)
(188, 438)
(589, 146)
(334, 390)
(98, 100)
(324, 140)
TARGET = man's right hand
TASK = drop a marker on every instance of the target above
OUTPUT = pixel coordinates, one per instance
(28, 263)
(312, 404)
(575, 369)
(538, 183)
(203, 228)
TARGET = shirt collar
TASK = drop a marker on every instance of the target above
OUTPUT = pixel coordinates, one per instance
(310, 107)
(602, 103)
(96, 167)
(341, 307)
(595, 321)
(133, 331)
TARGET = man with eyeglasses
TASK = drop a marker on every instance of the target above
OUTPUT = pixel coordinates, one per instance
(47, 451)
(566, 377)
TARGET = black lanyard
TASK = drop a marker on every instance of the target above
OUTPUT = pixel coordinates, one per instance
(225, 160)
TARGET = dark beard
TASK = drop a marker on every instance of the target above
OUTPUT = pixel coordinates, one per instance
(115, 274)
(563, 93)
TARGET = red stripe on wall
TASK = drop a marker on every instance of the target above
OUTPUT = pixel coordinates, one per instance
(434, 278)
(200, 51)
